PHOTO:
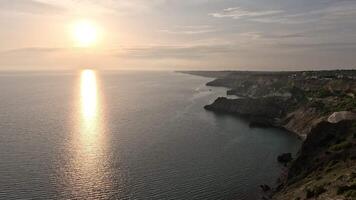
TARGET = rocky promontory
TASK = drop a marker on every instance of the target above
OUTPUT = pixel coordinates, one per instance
(265, 111)
(318, 106)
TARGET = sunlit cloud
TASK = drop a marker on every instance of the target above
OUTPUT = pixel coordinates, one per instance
(189, 30)
(239, 13)
(332, 10)
(30, 6)
(180, 52)
(32, 50)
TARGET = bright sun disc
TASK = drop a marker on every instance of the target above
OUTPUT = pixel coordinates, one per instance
(84, 33)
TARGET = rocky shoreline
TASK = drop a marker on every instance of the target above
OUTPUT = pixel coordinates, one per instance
(318, 106)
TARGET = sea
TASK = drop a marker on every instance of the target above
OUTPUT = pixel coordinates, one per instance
(91, 134)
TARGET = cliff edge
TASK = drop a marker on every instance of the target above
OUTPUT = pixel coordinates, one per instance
(319, 106)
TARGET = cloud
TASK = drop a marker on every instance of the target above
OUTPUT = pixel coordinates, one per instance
(157, 52)
(341, 10)
(118, 7)
(240, 13)
(31, 50)
(189, 30)
(322, 11)
(30, 6)
(175, 51)
(266, 16)
(269, 37)
(287, 35)
(320, 46)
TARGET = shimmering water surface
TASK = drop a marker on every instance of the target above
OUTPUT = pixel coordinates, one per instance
(128, 135)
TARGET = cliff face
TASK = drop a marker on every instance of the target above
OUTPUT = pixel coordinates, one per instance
(326, 165)
(318, 106)
(273, 111)
(302, 120)
(270, 108)
(295, 101)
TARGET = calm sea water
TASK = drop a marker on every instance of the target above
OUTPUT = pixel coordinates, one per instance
(128, 135)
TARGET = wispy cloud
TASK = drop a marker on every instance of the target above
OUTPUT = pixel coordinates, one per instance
(284, 36)
(189, 30)
(32, 50)
(175, 51)
(118, 7)
(331, 10)
(269, 36)
(320, 46)
(239, 13)
(30, 6)
(262, 16)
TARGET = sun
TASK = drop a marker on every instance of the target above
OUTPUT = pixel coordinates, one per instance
(85, 33)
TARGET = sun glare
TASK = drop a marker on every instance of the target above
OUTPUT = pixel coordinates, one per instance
(88, 94)
(85, 33)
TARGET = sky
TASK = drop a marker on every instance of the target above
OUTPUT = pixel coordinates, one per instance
(180, 34)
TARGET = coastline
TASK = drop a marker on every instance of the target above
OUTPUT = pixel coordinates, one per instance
(318, 106)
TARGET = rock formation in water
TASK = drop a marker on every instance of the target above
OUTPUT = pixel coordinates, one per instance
(285, 158)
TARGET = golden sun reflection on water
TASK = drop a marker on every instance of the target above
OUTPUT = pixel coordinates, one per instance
(88, 168)
(90, 124)
(89, 98)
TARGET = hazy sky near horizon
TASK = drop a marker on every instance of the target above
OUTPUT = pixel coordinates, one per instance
(180, 34)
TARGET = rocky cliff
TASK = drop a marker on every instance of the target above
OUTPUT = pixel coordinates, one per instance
(325, 167)
(318, 106)
(296, 101)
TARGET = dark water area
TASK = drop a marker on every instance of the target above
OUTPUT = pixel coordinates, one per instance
(128, 135)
